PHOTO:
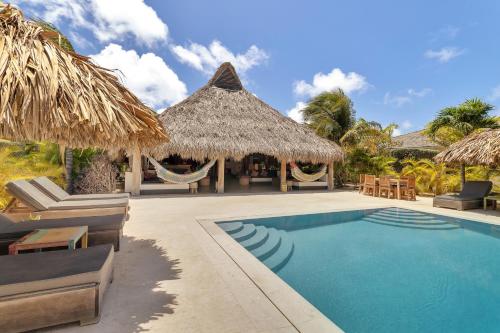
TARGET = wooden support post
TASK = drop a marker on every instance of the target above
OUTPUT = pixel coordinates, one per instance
(136, 170)
(220, 175)
(331, 170)
(283, 185)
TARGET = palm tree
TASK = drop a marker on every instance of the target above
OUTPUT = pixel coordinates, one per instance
(460, 121)
(330, 114)
(369, 135)
(57, 37)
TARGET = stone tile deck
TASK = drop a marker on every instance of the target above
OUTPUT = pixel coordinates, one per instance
(171, 276)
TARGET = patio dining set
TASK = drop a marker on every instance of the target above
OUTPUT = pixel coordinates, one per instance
(388, 186)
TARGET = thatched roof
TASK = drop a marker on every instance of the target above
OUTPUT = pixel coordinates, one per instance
(48, 93)
(415, 140)
(222, 119)
(477, 148)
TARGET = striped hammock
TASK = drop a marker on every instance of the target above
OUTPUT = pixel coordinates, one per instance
(176, 178)
(304, 177)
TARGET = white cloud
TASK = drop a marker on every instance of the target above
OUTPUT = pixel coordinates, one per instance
(207, 59)
(495, 94)
(296, 112)
(445, 54)
(396, 132)
(398, 101)
(403, 99)
(406, 125)
(148, 76)
(419, 93)
(349, 82)
(108, 20)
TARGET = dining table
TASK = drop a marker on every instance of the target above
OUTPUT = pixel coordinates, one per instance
(394, 181)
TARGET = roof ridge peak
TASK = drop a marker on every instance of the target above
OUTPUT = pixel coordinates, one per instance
(225, 77)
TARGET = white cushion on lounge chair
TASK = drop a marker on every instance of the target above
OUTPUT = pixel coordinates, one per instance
(35, 198)
(58, 194)
(310, 184)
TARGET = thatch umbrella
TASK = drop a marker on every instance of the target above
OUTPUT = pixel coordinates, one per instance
(48, 93)
(481, 148)
(223, 120)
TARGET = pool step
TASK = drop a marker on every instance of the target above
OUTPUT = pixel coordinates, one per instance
(421, 226)
(400, 219)
(282, 255)
(257, 239)
(245, 233)
(404, 216)
(271, 246)
(231, 227)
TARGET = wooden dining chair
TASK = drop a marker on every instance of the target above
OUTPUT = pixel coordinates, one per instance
(408, 188)
(361, 183)
(370, 185)
(386, 188)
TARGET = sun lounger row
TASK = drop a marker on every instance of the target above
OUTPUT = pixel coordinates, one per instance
(44, 289)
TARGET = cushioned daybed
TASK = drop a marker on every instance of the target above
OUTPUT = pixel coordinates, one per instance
(470, 197)
(102, 229)
(50, 288)
(58, 194)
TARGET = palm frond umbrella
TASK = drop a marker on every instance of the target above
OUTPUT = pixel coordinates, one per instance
(481, 148)
(48, 93)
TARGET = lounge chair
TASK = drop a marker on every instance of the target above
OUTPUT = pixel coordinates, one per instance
(50, 288)
(29, 200)
(58, 194)
(470, 197)
(101, 229)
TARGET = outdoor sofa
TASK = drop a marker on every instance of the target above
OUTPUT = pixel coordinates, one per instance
(471, 196)
(30, 201)
(107, 229)
(44, 289)
(58, 194)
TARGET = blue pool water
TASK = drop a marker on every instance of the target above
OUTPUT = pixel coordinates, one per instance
(386, 270)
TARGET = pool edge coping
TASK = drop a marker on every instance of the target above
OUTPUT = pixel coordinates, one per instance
(301, 314)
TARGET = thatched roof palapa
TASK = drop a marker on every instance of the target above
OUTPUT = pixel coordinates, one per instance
(481, 148)
(415, 140)
(48, 93)
(223, 119)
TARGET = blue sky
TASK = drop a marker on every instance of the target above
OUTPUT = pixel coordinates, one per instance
(399, 61)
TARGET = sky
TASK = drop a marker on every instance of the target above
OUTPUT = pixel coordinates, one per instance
(399, 61)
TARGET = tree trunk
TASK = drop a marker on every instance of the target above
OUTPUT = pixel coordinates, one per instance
(69, 169)
(462, 174)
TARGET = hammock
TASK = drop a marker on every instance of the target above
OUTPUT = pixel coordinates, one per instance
(304, 177)
(176, 178)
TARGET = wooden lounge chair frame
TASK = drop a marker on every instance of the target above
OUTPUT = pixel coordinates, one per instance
(16, 210)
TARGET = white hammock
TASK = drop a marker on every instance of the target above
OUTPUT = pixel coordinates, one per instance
(176, 178)
(304, 177)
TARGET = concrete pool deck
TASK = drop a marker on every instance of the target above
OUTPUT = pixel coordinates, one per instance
(172, 276)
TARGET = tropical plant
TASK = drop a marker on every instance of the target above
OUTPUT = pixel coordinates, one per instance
(456, 122)
(20, 161)
(369, 135)
(382, 165)
(431, 177)
(330, 114)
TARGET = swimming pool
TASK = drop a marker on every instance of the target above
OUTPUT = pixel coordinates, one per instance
(385, 270)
